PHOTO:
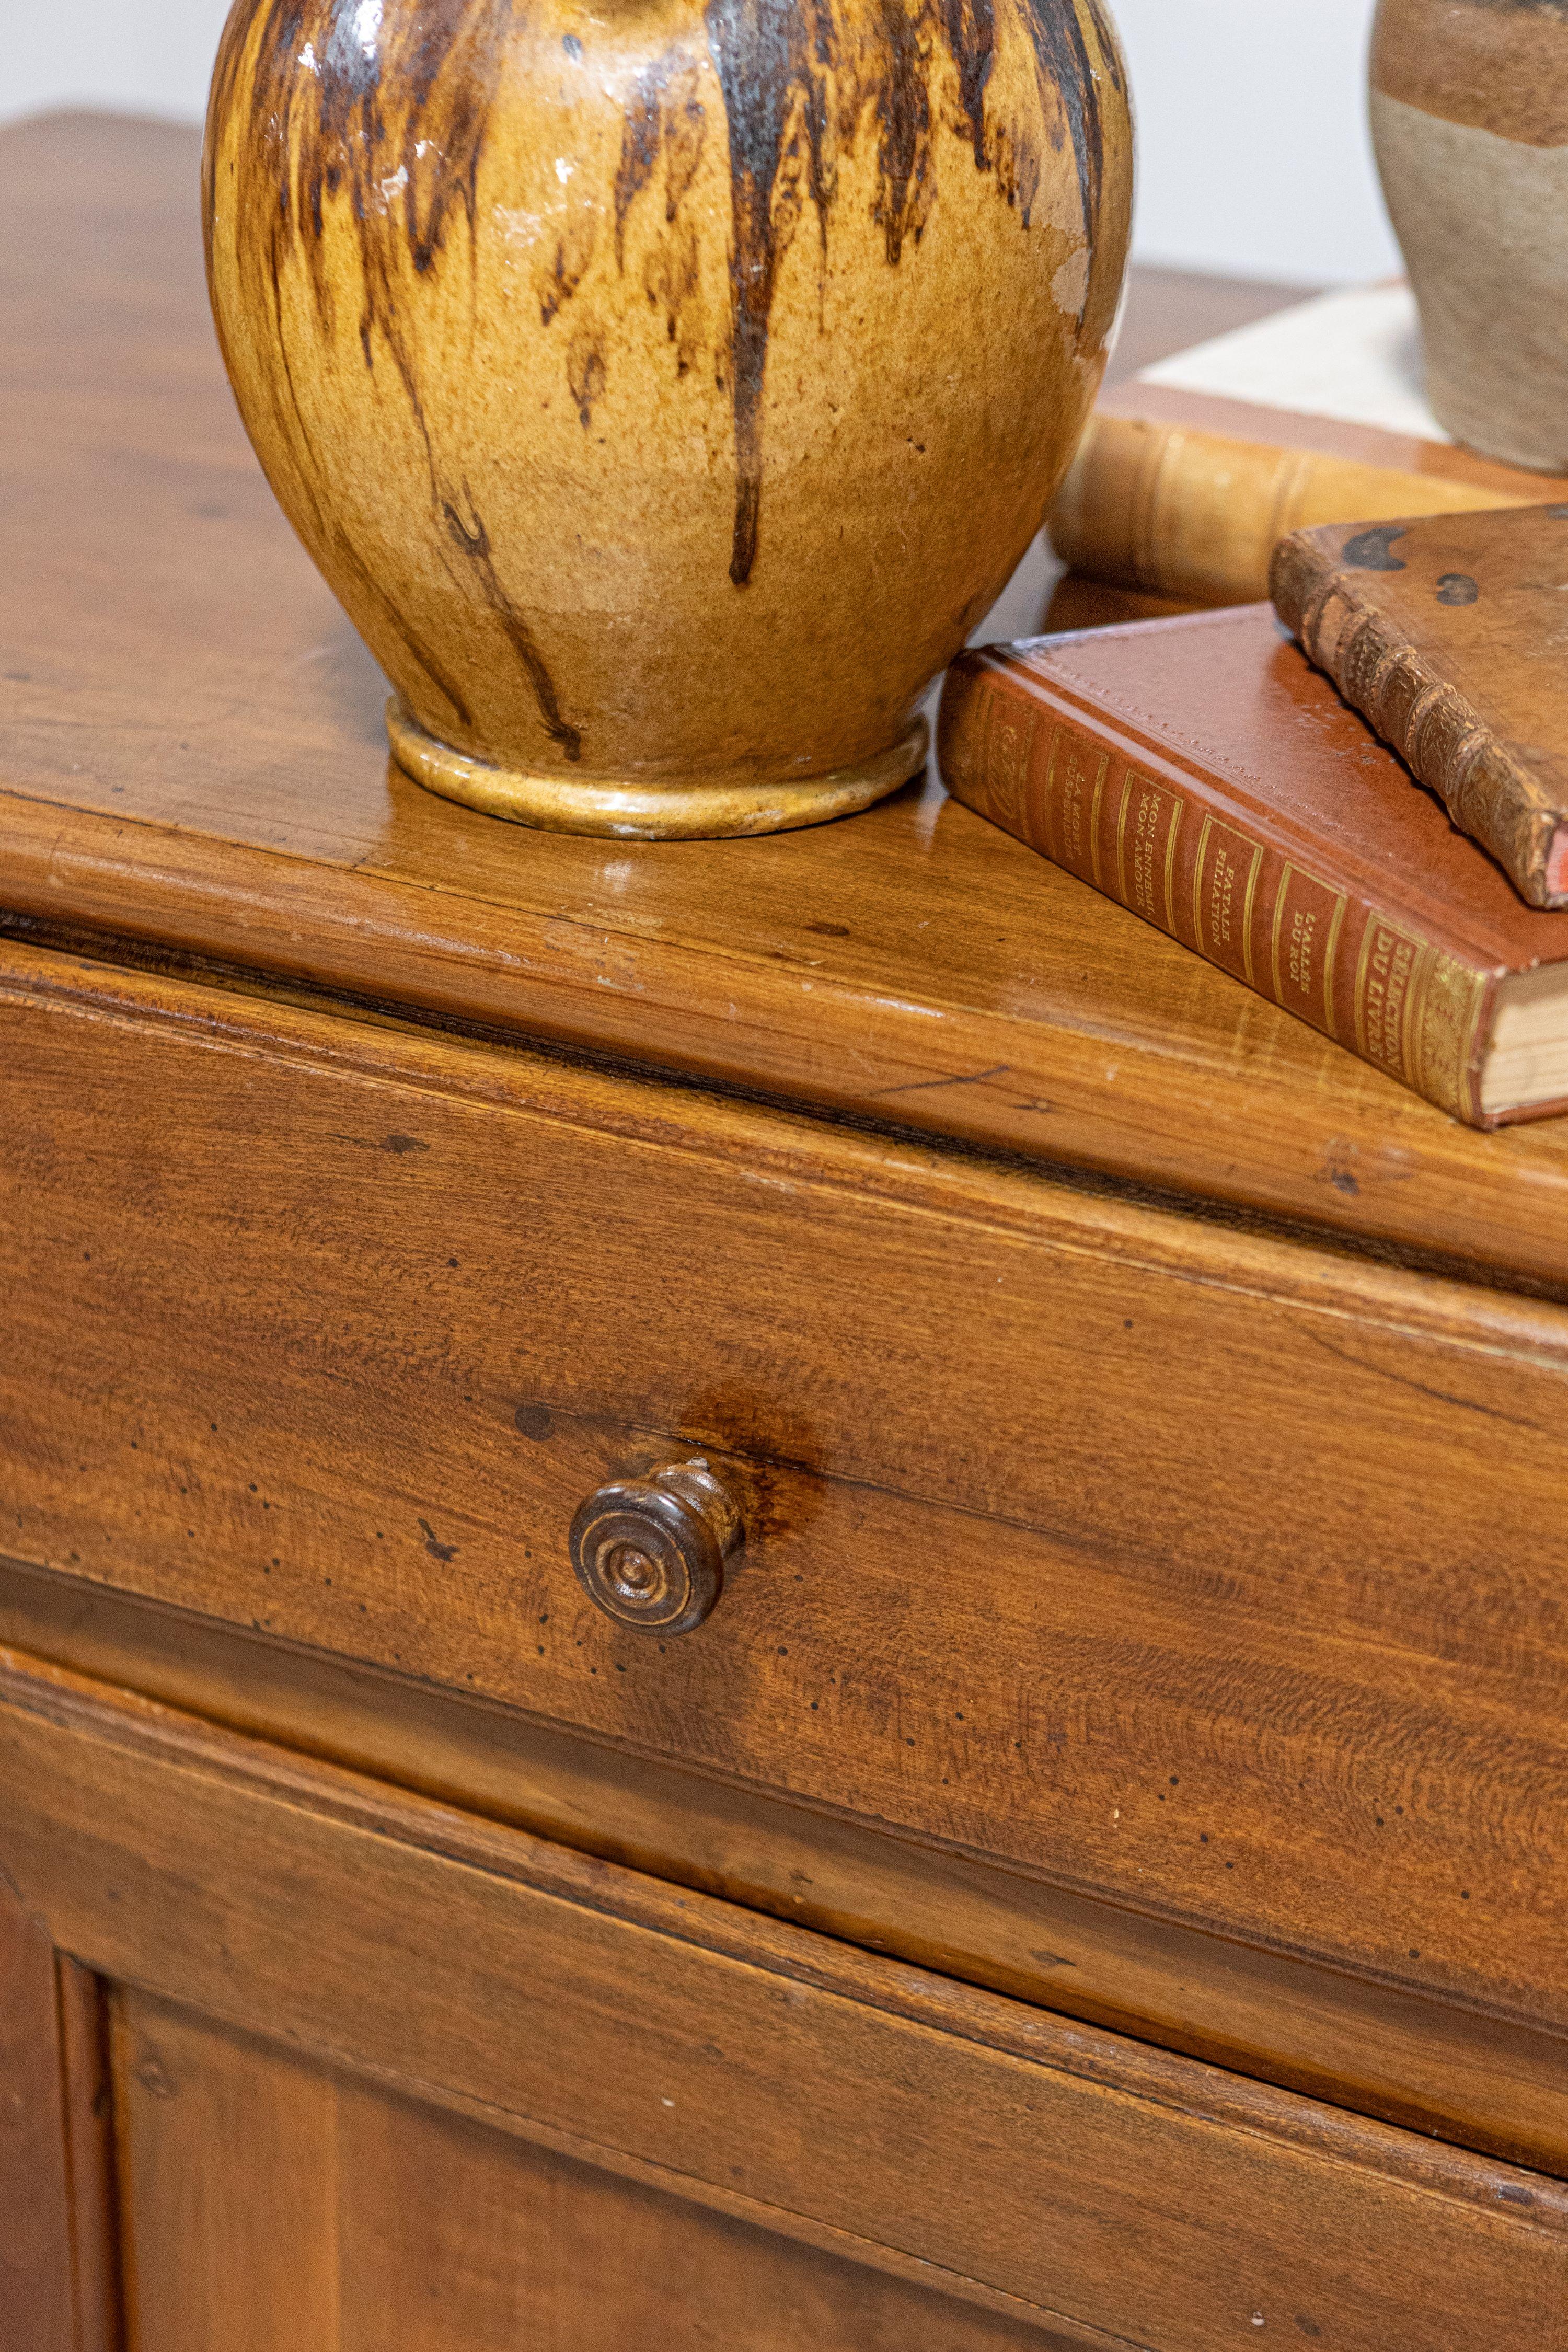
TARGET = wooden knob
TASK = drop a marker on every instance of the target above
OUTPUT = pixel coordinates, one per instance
(651, 1551)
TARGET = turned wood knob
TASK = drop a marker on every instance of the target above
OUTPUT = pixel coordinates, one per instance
(651, 1551)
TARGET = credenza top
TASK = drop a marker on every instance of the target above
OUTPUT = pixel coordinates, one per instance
(192, 753)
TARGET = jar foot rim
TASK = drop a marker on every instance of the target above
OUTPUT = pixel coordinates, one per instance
(706, 808)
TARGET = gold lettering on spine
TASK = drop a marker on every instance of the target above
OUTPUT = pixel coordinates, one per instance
(1198, 887)
(1145, 840)
(1456, 999)
(1223, 892)
(1389, 983)
(1008, 752)
(1069, 794)
(1304, 938)
(1417, 1016)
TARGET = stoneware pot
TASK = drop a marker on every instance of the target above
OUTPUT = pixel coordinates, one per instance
(665, 391)
(1470, 111)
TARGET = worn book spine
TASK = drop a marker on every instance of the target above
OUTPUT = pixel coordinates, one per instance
(1195, 516)
(1425, 718)
(1176, 851)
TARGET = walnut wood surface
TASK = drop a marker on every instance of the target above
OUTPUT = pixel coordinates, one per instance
(234, 2210)
(942, 2135)
(1213, 1575)
(59, 2288)
(36, 2301)
(94, 2203)
(1393, 2052)
(275, 2204)
(190, 741)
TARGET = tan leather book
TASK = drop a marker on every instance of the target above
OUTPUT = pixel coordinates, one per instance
(1450, 637)
(1201, 772)
(1277, 425)
(1177, 511)
(1315, 413)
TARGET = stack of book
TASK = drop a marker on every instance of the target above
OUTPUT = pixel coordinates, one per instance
(1354, 796)
(1191, 472)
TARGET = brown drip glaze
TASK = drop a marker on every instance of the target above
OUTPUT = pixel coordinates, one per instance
(780, 63)
(770, 57)
(527, 232)
(775, 60)
(433, 73)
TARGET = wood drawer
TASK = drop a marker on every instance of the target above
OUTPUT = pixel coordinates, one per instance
(1080, 2189)
(1201, 1590)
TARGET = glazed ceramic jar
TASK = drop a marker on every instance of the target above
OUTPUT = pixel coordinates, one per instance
(1470, 111)
(665, 391)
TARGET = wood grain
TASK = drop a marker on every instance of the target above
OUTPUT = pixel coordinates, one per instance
(1392, 2050)
(276, 2205)
(340, 1364)
(37, 2297)
(202, 764)
(94, 2188)
(229, 2170)
(823, 2093)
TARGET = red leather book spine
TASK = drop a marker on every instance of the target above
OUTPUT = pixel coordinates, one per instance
(1156, 838)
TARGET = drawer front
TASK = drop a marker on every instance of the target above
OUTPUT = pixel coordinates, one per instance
(1067, 2181)
(1217, 1577)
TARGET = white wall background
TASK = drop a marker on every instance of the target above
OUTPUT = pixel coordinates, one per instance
(1254, 153)
(1256, 160)
(141, 57)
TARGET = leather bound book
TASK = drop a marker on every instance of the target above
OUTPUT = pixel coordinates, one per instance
(1200, 771)
(1177, 511)
(1450, 637)
(1191, 471)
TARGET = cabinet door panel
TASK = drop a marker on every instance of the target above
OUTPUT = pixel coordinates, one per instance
(882, 2116)
(35, 2173)
(59, 2289)
(273, 2206)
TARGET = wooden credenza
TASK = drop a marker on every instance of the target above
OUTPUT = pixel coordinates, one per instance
(1093, 1877)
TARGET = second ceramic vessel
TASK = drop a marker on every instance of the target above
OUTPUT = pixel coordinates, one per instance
(1470, 111)
(665, 390)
